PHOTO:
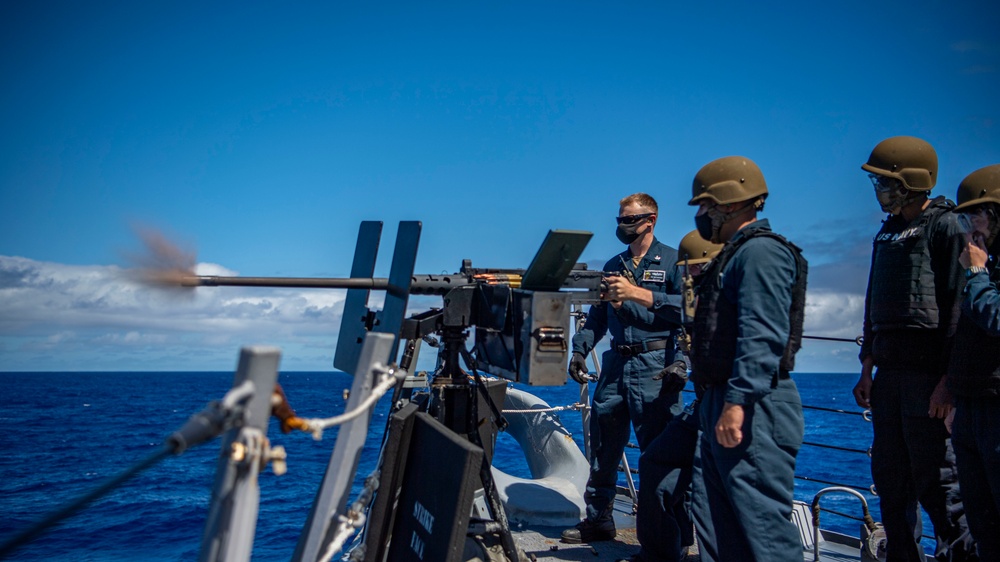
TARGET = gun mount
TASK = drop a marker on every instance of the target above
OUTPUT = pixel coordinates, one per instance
(521, 323)
(520, 316)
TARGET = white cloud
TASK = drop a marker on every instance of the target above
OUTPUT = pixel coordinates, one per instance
(213, 269)
(67, 317)
(57, 316)
(831, 314)
(834, 314)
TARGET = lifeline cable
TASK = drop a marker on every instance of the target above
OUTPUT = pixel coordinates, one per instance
(316, 425)
(575, 406)
(837, 448)
(827, 482)
(354, 518)
(31, 533)
(856, 340)
(199, 428)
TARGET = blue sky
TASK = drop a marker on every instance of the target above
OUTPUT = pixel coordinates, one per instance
(259, 135)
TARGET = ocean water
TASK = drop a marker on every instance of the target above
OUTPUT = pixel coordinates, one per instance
(63, 434)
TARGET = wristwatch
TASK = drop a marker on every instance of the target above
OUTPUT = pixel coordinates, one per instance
(974, 270)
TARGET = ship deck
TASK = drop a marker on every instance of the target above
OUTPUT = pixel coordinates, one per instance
(543, 544)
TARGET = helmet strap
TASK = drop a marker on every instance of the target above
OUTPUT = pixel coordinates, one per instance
(902, 199)
(719, 218)
(755, 206)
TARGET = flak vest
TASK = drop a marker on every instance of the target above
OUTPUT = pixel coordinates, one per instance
(714, 331)
(974, 367)
(903, 290)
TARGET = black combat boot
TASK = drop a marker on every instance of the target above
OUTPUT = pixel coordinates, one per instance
(590, 531)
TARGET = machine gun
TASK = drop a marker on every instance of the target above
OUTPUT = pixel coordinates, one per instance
(520, 315)
(521, 322)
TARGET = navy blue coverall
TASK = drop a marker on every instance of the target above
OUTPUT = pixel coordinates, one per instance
(743, 495)
(976, 429)
(626, 394)
(663, 521)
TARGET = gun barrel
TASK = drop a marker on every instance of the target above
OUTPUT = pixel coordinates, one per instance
(376, 283)
(420, 284)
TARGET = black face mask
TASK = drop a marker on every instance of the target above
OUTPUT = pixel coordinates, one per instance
(628, 233)
(703, 223)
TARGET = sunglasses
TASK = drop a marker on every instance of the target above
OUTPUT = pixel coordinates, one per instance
(632, 219)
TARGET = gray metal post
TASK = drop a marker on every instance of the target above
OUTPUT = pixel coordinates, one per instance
(232, 516)
(332, 495)
(585, 388)
(628, 470)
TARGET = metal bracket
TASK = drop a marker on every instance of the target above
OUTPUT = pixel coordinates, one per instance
(331, 498)
(232, 515)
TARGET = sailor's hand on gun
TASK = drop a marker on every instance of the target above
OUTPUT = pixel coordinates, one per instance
(621, 290)
(863, 390)
(606, 290)
(674, 376)
(578, 368)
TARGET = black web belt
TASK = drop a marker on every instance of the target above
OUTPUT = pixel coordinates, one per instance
(629, 350)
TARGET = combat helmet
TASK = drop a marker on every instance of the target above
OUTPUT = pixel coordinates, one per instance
(728, 180)
(981, 186)
(907, 159)
(694, 249)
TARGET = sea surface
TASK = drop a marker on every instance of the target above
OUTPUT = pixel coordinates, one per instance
(63, 434)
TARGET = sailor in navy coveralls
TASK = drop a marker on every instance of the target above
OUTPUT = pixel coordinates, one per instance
(747, 328)
(642, 374)
(974, 370)
(663, 519)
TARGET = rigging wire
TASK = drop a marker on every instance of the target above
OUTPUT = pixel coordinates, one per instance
(578, 406)
(865, 413)
(387, 382)
(211, 422)
(53, 519)
(866, 452)
(354, 518)
(858, 340)
(828, 483)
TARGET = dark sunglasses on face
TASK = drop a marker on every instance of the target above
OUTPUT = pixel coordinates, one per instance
(632, 219)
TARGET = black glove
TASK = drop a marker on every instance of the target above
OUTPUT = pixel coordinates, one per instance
(674, 376)
(578, 368)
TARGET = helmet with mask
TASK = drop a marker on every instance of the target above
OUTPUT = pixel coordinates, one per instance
(978, 200)
(902, 169)
(725, 181)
